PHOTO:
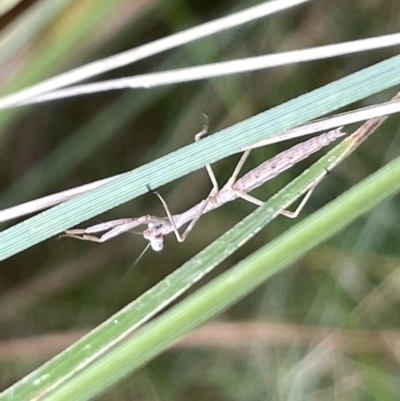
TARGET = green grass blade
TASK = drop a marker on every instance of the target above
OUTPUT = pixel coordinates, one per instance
(193, 157)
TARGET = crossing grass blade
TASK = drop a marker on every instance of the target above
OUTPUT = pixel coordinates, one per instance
(161, 171)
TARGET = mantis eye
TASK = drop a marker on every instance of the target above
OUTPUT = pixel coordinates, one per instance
(155, 239)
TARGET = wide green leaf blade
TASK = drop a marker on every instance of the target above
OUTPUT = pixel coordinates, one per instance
(312, 105)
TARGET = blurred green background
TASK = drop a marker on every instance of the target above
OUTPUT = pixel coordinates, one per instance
(288, 344)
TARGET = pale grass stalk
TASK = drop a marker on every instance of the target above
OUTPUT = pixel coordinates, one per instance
(220, 69)
(237, 336)
(147, 50)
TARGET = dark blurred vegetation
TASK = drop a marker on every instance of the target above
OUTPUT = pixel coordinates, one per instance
(65, 286)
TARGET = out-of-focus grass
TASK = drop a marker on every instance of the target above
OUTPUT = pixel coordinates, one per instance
(328, 288)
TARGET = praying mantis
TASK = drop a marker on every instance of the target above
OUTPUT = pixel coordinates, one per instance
(235, 188)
